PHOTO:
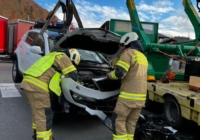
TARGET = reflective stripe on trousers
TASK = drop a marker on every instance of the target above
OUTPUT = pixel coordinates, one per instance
(36, 82)
(33, 126)
(120, 137)
(44, 135)
(132, 96)
(130, 137)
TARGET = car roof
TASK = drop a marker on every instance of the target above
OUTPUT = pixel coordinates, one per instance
(51, 33)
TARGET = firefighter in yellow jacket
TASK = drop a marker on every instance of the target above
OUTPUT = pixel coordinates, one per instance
(39, 80)
(131, 68)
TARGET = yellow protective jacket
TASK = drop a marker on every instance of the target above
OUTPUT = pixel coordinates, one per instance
(134, 81)
(45, 74)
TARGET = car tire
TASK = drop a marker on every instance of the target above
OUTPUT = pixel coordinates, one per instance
(172, 113)
(17, 78)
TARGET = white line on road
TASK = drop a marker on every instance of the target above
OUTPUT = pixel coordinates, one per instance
(10, 93)
(9, 90)
(8, 84)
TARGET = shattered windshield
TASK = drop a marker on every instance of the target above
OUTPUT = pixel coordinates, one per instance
(91, 56)
(87, 56)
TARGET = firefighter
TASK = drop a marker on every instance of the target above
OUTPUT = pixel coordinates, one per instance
(131, 68)
(43, 78)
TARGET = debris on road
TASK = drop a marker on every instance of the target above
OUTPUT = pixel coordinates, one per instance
(153, 127)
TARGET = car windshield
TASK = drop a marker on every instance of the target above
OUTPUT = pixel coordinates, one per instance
(91, 56)
(85, 54)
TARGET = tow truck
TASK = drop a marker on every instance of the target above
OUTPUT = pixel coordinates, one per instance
(166, 85)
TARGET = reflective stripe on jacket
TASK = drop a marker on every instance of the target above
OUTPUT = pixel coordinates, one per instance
(68, 69)
(41, 66)
(134, 81)
(36, 82)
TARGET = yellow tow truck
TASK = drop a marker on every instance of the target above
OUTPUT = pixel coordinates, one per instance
(165, 85)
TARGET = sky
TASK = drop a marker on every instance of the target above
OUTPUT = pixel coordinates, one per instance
(170, 14)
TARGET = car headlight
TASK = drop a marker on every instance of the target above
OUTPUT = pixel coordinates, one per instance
(77, 98)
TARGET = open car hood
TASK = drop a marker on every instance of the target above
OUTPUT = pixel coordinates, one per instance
(92, 39)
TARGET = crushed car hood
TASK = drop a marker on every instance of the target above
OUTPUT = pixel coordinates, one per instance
(92, 39)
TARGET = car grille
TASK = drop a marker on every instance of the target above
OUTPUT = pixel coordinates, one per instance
(108, 85)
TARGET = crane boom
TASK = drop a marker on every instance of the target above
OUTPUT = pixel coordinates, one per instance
(193, 16)
(135, 21)
(175, 49)
(153, 50)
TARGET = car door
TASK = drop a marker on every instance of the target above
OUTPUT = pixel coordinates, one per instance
(20, 52)
(31, 58)
(25, 46)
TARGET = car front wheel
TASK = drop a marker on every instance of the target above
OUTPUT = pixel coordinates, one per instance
(172, 112)
(17, 78)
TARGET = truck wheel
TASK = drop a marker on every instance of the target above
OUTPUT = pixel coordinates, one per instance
(17, 78)
(172, 113)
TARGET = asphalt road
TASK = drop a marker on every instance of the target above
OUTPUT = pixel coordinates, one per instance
(15, 116)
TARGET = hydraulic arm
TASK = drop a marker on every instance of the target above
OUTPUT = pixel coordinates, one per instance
(68, 9)
(136, 25)
(176, 49)
(193, 16)
(159, 63)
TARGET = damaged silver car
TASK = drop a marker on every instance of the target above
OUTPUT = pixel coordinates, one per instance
(97, 48)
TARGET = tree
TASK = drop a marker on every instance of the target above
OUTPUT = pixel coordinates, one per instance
(13, 15)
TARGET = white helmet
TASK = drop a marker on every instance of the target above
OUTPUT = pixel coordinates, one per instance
(128, 37)
(75, 56)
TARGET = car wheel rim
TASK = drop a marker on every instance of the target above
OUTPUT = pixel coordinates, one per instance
(172, 111)
(14, 70)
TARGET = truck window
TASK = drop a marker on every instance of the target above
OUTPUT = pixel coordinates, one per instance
(30, 38)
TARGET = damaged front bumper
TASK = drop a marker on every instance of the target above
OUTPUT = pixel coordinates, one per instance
(81, 96)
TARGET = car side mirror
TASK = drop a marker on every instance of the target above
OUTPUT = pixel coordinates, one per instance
(36, 49)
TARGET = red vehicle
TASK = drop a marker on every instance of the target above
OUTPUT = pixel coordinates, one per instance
(11, 32)
(16, 29)
(3, 34)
